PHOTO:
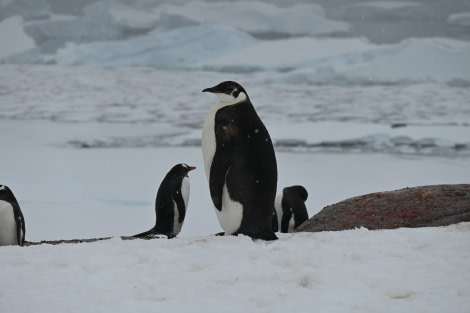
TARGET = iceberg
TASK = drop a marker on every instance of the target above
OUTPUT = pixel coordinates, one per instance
(261, 19)
(295, 42)
(29, 10)
(176, 49)
(459, 19)
(424, 60)
(389, 10)
(11, 32)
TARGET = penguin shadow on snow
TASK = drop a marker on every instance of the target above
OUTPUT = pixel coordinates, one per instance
(170, 205)
(12, 225)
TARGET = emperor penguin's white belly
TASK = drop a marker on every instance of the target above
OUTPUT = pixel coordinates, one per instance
(208, 142)
(7, 225)
(232, 212)
(230, 218)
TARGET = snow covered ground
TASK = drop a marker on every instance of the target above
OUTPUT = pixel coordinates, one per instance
(86, 138)
(404, 270)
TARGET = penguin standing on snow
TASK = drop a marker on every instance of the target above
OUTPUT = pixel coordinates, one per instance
(171, 203)
(240, 164)
(290, 208)
(12, 228)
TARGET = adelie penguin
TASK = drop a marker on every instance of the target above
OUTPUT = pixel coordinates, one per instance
(171, 203)
(290, 208)
(240, 164)
(12, 227)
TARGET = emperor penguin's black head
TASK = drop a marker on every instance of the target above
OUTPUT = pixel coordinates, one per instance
(181, 169)
(229, 92)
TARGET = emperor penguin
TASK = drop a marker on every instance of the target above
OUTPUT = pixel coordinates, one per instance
(290, 208)
(171, 203)
(12, 227)
(240, 164)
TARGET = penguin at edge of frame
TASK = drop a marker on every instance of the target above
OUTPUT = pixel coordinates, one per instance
(12, 224)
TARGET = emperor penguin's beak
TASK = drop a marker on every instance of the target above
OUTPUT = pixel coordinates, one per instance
(211, 89)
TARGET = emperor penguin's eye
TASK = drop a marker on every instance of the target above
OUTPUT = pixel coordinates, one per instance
(235, 93)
